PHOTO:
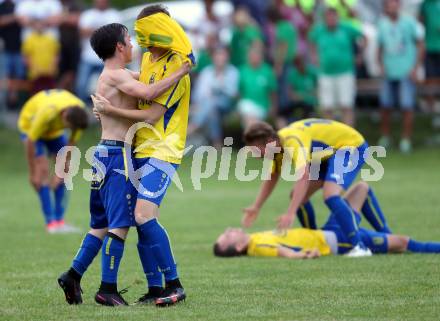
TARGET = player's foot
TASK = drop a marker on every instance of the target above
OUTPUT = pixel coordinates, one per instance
(405, 146)
(71, 287)
(52, 227)
(359, 251)
(110, 299)
(63, 227)
(171, 296)
(147, 299)
(384, 141)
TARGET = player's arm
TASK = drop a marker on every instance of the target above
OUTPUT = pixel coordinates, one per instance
(251, 212)
(150, 115)
(132, 87)
(134, 74)
(291, 254)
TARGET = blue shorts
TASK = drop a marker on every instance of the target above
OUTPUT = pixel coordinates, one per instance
(112, 195)
(398, 93)
(155, 179)
(329, 171)
(47, 146)
(14, 65)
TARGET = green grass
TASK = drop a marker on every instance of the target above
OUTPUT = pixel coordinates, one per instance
(397, 287)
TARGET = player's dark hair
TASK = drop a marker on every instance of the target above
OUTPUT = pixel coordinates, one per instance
(259, 132)
(150, 10)
(105, 39)
(230, 251)
(77, 117)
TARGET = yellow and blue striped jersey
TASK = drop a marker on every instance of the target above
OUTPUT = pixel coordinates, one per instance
(166, 141)
(300, 138)
(40, 117)
(298, 239)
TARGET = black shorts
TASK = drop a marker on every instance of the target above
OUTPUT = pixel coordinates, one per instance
(432, 65)
(69, 59)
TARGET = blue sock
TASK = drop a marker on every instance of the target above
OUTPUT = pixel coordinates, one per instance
(345, 217)
(373, 213)
(46, 203)
(88, 250)
(306, 216)
(155, 236)
(112, 250)
(149, 263)
(423, 247)
(60, 201)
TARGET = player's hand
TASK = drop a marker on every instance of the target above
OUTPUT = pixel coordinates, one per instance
(285, 221)
(312, 254)
(35, 182)
(100, 103)
(187, 67)
(250, 215)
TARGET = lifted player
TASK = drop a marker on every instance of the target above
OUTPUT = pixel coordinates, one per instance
(112, 194)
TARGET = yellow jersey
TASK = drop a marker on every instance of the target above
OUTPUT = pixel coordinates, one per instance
(301, 139)
(298, 239)
(166, 139)
(41, 50)
(40, 117)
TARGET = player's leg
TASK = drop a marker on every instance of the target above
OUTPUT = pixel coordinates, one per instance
(337, 179)
(373, 212)
(306, 212)
(400, 243)
(155, 180)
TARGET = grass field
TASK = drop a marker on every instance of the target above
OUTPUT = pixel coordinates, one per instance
(397, 287)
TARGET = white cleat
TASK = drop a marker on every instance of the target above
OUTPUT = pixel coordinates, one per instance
(359, 251)
(67, 228)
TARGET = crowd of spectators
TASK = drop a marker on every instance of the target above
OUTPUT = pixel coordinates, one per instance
(283, 59)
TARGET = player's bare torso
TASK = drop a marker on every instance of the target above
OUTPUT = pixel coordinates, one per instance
(114, 128)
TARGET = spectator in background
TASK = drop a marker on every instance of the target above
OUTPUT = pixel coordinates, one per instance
(70, 44)
(430, 17)
(257, 89)
(302, 80)
(346, 10)
(10, 33)
(256, 8)
(204, 56)
(400, 55)
(41, 52)
(214, 96)
(245, 35)
(333, 44)
(283, 52)
(101, 14)
(46, 11)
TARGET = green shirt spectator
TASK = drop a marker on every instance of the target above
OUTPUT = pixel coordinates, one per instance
(257, 84)
(398, 41)
(303, 84)
(204, 59)
(430, 12)
(242, 40)
(335, 47)
(286, 34)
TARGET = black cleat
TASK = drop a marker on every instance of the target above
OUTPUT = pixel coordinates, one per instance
(147, 299)
(71, 287)
(110, 299)
(171, 296)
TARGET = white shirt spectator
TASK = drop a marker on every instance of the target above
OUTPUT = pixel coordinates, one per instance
(93, 19)
(38, 9)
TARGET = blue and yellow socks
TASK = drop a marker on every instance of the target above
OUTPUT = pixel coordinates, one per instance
(373, 213)
(46, 203)
(306, 216)
(112, 251)
(423, 247)
(153, 235)
(345, 218)
(88, 250)
(149, 263)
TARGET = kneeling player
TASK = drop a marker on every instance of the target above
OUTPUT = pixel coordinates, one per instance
(303, 243)
(112, 197)
(42, 124)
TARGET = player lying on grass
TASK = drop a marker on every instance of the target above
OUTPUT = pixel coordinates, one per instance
(300, 243)
(298, 141)
(112, 194)
(159, 148)
(42, 124)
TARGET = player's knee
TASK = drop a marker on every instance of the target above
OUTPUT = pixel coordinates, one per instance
(331, 189)
(362, 187)
(144, 211)
(99, 233)
(119, 232)
(397, 243)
